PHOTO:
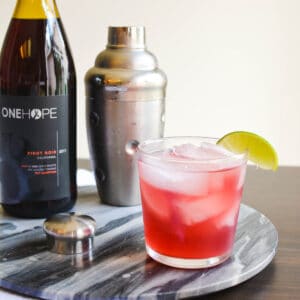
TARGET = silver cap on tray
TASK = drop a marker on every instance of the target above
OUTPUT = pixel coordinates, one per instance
(68, 233)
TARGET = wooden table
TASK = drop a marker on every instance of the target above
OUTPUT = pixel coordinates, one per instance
(276, 195)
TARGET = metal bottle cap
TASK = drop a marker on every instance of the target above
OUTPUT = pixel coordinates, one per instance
(68, 233)
(126, 36)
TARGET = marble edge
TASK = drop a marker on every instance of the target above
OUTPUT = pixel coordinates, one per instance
(187, 293)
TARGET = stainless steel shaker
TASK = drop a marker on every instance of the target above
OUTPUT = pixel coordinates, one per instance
(125, 104)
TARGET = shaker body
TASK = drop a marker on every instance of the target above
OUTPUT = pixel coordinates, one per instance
(125, 104)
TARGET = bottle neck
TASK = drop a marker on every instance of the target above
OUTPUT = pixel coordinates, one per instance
(35, 9)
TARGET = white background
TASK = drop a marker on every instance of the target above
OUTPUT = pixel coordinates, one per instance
(231, 65)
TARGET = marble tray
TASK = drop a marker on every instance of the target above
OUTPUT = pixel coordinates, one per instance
(119, 267)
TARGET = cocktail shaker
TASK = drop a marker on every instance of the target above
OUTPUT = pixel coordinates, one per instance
(125, 104)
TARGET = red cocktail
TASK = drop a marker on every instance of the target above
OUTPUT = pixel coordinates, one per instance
(191, 191)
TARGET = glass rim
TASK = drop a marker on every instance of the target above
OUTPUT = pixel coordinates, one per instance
(151, 142)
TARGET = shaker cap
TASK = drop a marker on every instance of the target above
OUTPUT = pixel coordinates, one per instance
(126, 37)
(69, 233)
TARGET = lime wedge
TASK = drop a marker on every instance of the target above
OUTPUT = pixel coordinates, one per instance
(259, 150)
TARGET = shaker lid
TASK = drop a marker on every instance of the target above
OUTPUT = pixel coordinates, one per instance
(69, 233)
(126, 36)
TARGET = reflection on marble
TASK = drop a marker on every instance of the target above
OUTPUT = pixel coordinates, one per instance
(118, 267)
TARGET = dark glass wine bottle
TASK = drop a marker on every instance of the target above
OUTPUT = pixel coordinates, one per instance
(37, 114)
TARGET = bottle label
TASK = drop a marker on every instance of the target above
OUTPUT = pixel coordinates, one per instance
(34, 154)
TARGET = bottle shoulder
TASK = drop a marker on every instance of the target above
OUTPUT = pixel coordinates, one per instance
(35, 53)
(24, 38)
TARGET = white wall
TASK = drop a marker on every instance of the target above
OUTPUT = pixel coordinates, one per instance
(231, 65)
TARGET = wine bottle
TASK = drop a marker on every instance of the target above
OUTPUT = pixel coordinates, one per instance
(37, 113)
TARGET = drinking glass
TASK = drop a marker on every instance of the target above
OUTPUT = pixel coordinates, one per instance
(191, 190)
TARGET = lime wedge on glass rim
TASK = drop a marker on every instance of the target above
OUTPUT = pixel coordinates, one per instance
(259, 150)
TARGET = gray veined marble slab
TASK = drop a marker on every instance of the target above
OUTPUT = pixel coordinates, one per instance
(119, 267)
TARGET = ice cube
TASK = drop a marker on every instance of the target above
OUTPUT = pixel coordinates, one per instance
(158, 205)
(228, 218)
(201, 209)
(188, 169)
(208, 157)
(166, 176)
(204, 151)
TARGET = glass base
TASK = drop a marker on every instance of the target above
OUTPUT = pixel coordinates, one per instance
(187, 263)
